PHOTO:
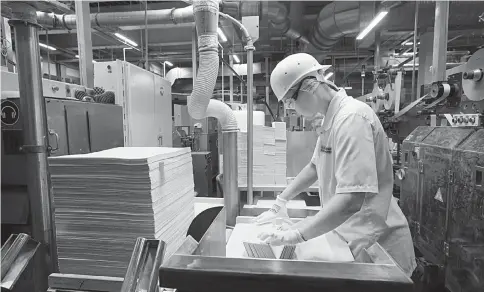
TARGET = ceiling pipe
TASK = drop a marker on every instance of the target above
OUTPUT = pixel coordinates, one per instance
(334, 21)
(113, 19)
(279, 18)
(338, 19)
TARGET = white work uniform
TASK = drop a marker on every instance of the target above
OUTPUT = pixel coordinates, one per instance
(352, 156)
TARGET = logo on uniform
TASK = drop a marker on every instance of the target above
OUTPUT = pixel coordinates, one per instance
(325, 149)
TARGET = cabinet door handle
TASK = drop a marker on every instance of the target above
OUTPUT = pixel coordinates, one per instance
(160, 140)
(54, 133)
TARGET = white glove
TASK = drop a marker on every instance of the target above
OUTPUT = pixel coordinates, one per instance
(277, 237)
(278, 210)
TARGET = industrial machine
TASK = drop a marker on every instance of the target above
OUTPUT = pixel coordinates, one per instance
(75, 127)
(439, 172)
(146, 101)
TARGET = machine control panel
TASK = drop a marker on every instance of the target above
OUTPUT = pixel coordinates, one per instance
(464, 120)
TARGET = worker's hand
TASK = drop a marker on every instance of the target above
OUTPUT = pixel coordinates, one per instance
(278, 210)
(278, 237)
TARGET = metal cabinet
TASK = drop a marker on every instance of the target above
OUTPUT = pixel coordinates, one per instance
(202, 173)
(146, 101)
(74, 127)
(163, 113)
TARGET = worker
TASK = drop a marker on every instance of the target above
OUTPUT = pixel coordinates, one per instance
(352, 162)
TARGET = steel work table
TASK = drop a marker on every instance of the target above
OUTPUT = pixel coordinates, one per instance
(207, 268)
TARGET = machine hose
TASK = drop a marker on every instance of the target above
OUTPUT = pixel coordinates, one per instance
(199, 103)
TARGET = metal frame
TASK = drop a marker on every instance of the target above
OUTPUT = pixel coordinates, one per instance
(24, 21)
(142, 271)
(210, 271)
(84, 39)
(17, 252)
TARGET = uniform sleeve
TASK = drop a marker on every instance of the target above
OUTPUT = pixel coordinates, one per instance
(355, 159)
(314, 159)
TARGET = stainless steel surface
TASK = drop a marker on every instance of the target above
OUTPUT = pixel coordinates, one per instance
(35, 134)
(415, 31)
(17, 253)
(250, 127)
(441, 30)
(86, 68)
(231, 274)
(213, 241)
(70, 282)
(230, 183)
(142, 271)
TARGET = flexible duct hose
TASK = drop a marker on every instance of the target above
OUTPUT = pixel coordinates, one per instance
(199, 103)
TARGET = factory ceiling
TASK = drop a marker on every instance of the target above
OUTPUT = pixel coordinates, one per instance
(173, 42)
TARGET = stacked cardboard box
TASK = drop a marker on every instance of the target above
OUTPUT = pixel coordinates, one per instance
(269, 148)
(105, 200)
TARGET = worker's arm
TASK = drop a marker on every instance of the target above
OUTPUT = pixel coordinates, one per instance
(335, 212)
(303, 181)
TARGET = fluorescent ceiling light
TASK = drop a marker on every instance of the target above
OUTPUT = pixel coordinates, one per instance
(168, 63)
(236, 59)
(372, 24)
(328, 75)
(410, 43)
(122, 37)
(221, 34)
(94, 61)
(47, 47)
(347, 87)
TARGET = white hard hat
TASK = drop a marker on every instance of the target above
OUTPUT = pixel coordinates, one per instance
(291, 70)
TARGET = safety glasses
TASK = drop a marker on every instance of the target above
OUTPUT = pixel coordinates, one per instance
(296, 93)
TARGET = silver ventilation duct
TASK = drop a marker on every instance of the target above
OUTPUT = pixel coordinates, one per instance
(334, 21)
(113, 19)
(279, 18)
(200, 105)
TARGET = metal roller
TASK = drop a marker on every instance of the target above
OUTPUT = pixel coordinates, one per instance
(378, 96)
(389, 101)
(472, 78)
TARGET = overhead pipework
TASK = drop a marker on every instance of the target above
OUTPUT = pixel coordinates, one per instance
(279, 18)
(334, 21)
(200, 105)
(113, 19)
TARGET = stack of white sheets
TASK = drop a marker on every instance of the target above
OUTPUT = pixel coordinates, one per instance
(269, 155)
(103, 201)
